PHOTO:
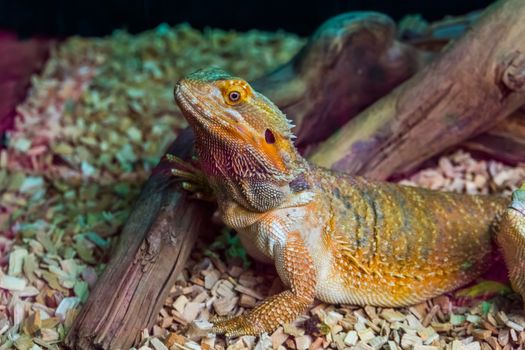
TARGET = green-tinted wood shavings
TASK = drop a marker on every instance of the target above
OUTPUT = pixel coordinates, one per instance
(230, 243)
(101, 141)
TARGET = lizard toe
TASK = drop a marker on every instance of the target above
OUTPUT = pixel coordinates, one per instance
(235, 326)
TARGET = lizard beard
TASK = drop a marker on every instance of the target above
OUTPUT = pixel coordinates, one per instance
(241, 173)
(230, 159)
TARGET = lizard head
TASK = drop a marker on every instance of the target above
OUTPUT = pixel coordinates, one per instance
(241, 136)
(248, 134)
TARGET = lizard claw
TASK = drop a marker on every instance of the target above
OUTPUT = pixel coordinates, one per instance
(192, 178)
(235, 326)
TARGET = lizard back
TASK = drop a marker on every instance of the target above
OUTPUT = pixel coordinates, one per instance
(396, 245)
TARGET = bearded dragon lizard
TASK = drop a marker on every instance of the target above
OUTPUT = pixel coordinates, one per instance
(331, 236)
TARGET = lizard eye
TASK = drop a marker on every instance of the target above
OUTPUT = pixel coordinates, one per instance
(269, 137)
(234, 91)
(234, 96)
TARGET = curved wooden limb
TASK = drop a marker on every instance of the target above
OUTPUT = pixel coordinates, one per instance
(154, 245)
(348, 63)
(505, 142)
(466, 91)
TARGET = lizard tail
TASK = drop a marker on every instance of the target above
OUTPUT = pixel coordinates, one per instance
(511, 239)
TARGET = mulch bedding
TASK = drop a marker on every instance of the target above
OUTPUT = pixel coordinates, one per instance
(84, 139)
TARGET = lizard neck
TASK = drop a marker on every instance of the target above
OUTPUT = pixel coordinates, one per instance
(238, 174)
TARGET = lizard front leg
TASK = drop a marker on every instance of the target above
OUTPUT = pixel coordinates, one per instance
(298, 270)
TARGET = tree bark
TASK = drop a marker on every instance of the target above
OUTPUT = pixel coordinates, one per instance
(415, 31)
(504, 142)
(474, 85)
(354, 59)
(153, 248)
(351, 61)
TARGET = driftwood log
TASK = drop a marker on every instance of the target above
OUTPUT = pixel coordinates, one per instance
(355, 59)
(153, 246)
(504, 142)
(466, 91)
(164, 224)
(348, 63)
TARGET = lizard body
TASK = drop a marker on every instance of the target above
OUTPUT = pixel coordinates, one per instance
(331, 236)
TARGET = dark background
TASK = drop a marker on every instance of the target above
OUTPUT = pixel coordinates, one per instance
(60, 18)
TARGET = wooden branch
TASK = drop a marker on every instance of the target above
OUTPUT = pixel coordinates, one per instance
(505, 142)
(348, 63)
(318, 95)
(416, 32)
(478, 82)
(152, 251)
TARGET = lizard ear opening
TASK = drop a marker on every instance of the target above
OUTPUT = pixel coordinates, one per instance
(269, 136)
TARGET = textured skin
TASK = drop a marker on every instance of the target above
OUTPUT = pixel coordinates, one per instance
(331, 236)
(511, 239)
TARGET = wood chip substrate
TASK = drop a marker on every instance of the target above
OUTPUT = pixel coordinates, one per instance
(94, 124)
